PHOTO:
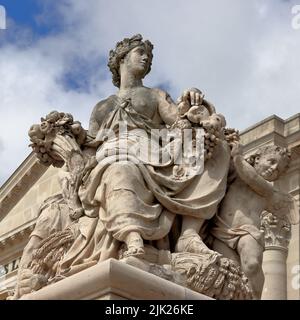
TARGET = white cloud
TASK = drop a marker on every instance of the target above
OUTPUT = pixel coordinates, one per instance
(243, 55)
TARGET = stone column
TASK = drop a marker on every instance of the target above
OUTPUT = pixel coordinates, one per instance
(277, 237)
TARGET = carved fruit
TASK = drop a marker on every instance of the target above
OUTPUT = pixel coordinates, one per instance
(196, 114)
(35, 132)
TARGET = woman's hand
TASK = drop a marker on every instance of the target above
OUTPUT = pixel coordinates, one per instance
(189, 98)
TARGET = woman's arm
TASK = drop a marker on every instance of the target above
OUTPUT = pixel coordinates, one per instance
(166, 107)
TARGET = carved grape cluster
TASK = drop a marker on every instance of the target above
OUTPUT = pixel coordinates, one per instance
(214, 128)
(231, 135)
(211, 140)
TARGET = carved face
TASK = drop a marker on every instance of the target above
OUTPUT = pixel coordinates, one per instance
(270, 166)
(137, 61)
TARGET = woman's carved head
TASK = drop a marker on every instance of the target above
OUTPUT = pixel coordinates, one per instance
(122, 49)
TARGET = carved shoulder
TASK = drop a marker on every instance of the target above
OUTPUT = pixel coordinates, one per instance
(100, 111)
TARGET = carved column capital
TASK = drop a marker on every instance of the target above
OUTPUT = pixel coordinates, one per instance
(277, 231)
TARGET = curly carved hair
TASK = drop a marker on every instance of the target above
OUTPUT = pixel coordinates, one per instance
(121, 50)
(283, 152)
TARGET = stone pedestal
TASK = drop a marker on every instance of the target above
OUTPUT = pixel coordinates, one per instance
(114, 280)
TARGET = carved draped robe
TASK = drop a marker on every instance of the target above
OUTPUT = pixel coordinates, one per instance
(133, 195)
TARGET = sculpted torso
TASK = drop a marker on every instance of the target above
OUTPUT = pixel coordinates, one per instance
(154, 104)
(144, 101)
(237, 213)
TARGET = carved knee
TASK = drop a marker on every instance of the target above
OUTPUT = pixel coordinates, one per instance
(252, 266)
(121, 165)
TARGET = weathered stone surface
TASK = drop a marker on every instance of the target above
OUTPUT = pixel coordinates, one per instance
(149, 211)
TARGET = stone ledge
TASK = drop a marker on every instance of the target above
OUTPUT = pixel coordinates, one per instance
(114, 280)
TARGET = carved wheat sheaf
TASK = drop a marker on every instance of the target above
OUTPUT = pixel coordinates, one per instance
(213, 275)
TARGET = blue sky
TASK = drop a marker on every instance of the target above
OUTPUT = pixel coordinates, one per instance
(34, 17)
(26, 12)
(244, 55)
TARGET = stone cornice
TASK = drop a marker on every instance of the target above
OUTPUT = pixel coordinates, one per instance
(275, 127)
(17, 235)
(274, 118)
(19, 183)
(266, 139)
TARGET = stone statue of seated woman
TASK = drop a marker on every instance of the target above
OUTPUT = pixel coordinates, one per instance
(131, 189)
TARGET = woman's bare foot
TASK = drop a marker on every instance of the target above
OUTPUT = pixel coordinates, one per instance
(135, 245)
(192, 243)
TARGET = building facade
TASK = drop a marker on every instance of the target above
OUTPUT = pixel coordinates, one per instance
(31, 183)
